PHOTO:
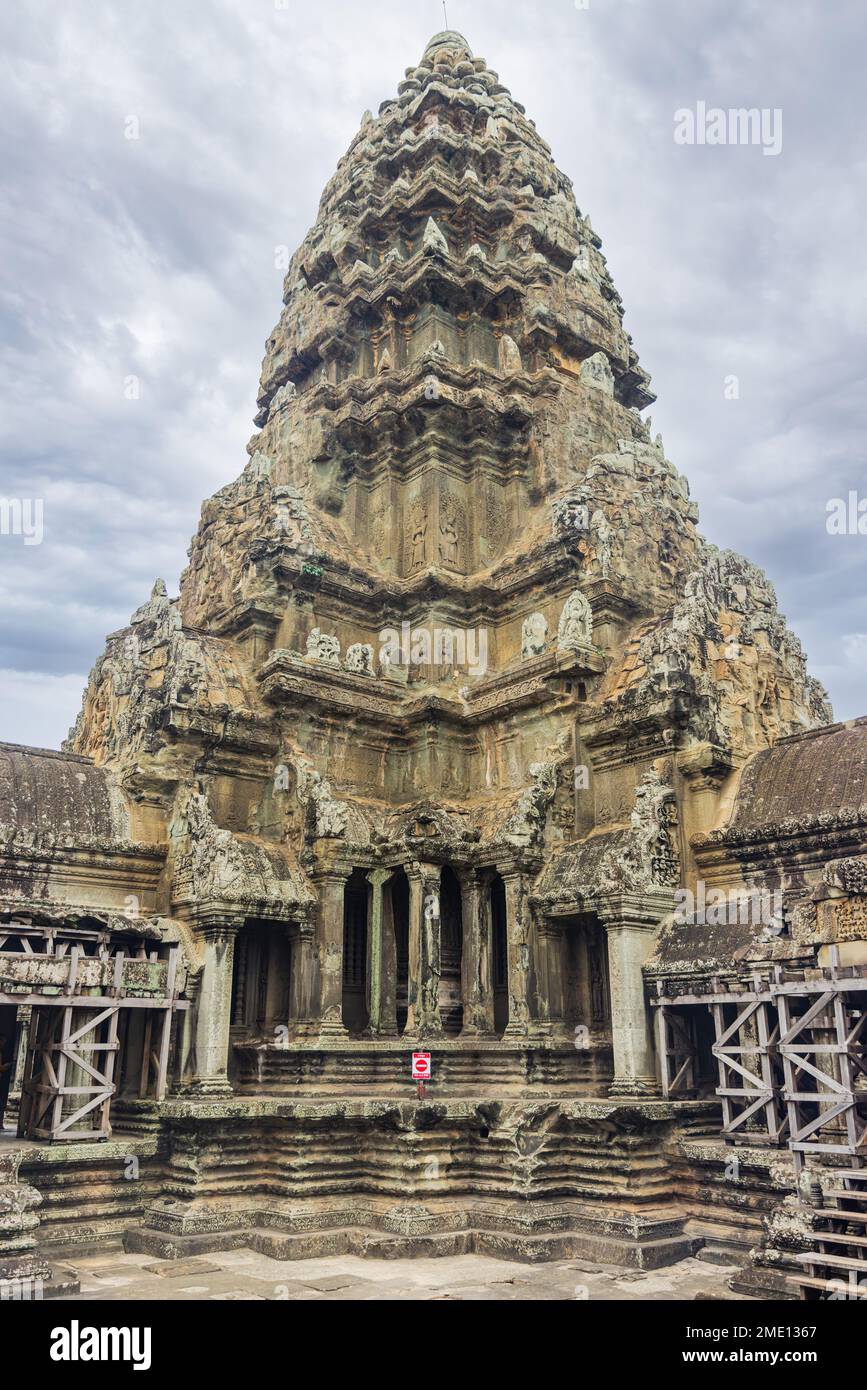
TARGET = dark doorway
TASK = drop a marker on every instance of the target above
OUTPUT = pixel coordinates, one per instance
(499, 955)
(706, 1075)
(260, 978)
(355, 900)
(586, 992)
(451, 953)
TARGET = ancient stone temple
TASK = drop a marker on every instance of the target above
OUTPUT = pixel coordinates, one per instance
(459, 738)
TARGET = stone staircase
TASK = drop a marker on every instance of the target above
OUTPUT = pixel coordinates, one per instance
(837, 1268)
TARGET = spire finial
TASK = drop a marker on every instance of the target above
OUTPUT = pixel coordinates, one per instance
(445, 14)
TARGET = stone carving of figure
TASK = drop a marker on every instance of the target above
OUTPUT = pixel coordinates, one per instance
(597, 986)
(292, 520)
(328, 816)
(653, 815)
(419, 538)
(448, 541)
(322, 646)
(767, 690)
(526, 821)
(596, 372)
(576, 623)
(602, 536)
(359, 658)
(509, 355)
(534, 635)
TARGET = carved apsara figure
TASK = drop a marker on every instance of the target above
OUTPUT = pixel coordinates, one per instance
(418, 540)
(576, 623)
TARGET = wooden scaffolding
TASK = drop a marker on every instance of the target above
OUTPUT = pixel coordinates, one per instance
(80, 985)
(823, 1047)
(791, 1048)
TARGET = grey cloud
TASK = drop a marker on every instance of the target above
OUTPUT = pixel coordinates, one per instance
(155, 257)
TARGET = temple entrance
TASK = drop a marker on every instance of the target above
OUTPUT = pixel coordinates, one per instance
(499, 955)
(355, 903)
(260, 979)
(451, 953)
(586, 991)
(398, 890)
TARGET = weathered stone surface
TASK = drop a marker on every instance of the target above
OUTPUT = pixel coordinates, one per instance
(452, 703)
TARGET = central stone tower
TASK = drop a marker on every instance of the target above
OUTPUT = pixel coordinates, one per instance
(452, 681)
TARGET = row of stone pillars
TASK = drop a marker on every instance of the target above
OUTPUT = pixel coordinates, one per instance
(316, 972)
(424, 953)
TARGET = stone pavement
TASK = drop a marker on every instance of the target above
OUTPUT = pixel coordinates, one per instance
(243, 1275)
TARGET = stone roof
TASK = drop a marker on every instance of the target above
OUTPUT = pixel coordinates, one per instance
(55, 796)
(700, 947)
(818, 773)
(581, 869)
(448, 38)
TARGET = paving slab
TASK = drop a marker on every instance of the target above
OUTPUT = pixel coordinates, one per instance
(181, 1269)
(246, 1276)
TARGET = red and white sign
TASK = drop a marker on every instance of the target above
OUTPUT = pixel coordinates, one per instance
(421, 1066)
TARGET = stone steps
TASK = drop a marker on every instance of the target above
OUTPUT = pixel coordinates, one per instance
(603, 1247)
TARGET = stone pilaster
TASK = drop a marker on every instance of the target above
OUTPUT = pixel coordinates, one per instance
(24, 1019)
(519, 947)
(476, 963)
(303, 977)
(185, 1061)
(423, 1015)
(631, 924)
(381, 962)
(214, 1009)
(330, 888)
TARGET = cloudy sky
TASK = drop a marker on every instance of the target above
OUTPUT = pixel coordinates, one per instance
(154, 258)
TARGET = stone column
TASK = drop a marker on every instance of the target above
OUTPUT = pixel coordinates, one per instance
(423, 1015)
(214, 1013)
(24, 1017)
(330, 887)
(630, 931)
(381, 962)
(519, 948)
(185, 1061)
(549, 981)
(302, 979)
(476, 980)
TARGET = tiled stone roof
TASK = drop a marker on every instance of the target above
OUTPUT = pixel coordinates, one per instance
(57, 795)
(804, 777)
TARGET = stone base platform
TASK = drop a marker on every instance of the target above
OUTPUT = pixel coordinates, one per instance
(622, 1183)
(502, 1230)
(463, 1066)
